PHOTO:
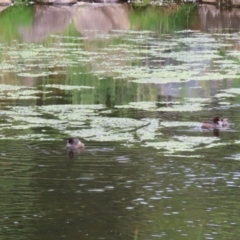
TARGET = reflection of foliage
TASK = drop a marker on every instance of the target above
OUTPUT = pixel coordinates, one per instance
(12, 18)
(21, 2)
(164, 19)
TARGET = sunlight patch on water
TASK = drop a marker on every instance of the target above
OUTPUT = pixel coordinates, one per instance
(212, 145)
(77, 120)
(234, 157)
(6, 66)
(36, 75)
(67, 87)
(196, 140)
(112, 136)
(176, 62)
(86, 122)
(184, 156)
(150, 131)
(22, 111)
(99, 190)
(147, 106)
(184, 143)
(36, 60)
(171, 146)
(231, 91)
(36, 136)
(19, 92)
(178, 124)
(189, 106)
(185, 107)
(224, 95)
(6, 87)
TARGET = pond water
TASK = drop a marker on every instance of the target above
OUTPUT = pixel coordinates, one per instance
(134, 86)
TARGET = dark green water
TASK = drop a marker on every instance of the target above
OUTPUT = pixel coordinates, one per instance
(134, 86)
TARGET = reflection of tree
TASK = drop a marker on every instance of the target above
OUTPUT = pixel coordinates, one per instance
(214, 19)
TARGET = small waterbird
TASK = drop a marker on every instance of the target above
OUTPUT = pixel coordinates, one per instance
(74, 144)
(216, 123)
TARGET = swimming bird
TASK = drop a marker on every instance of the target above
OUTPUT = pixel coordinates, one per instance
(216, 123)
(74, 144)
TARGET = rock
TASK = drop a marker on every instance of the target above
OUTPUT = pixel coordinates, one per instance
(5, 2)
(57, 2)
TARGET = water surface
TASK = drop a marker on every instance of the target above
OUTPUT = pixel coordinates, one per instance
(134, 91)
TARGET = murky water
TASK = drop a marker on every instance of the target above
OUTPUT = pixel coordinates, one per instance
(135, 92)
